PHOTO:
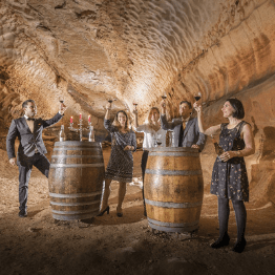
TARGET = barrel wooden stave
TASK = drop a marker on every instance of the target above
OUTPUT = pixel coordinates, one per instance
(76, 180)
(173, 189)
(173, 163)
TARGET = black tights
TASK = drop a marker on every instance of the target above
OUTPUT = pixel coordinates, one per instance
(240, 214)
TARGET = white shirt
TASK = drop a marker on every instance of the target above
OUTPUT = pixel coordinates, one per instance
(151, 136)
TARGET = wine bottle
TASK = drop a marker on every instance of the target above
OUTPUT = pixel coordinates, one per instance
(91, 137)
(62, 136)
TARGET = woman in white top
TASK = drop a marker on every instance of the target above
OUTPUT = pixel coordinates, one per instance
(154, 135)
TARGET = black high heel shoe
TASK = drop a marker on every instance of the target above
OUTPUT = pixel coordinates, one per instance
(239, 246)
(106, 210)
(221, 242)
(119, 214)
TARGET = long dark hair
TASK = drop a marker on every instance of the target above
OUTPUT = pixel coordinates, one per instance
(116, 122)
(238, 107)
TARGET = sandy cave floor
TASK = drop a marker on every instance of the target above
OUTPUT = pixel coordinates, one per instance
(111, 245)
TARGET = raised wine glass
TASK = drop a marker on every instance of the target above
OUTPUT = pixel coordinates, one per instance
(198, 96)
(61, 100)
(135, 106)
(164, 96)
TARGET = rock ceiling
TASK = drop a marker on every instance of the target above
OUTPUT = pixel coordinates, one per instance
(131, 50)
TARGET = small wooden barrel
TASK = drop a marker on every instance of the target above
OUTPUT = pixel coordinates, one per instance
(173, 188)
(76, 179)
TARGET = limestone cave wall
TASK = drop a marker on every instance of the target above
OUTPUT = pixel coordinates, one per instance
(136, 50)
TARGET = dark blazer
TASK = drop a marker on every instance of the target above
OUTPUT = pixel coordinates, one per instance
(191, 135)
(28, 141)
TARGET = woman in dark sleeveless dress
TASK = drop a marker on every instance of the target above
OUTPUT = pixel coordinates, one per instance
(229, 176)
(120, 166)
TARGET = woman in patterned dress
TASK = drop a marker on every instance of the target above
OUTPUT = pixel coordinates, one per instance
(229, 176)
(120, 166)
(153, 134)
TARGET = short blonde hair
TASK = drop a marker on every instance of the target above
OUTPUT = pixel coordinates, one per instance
(149, 120)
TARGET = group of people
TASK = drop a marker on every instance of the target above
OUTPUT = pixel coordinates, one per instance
(229, 176)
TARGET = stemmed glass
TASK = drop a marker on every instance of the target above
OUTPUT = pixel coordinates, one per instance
(61, 100)
(135, 106)
(198, 96)
(164, 96)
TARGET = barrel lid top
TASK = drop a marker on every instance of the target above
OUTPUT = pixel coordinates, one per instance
(77, 143)
(173, 149)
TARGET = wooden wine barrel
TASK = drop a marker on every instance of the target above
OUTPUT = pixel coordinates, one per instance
(173, 188)
(76, 179)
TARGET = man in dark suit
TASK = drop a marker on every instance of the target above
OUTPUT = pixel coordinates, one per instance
(185, 129)
(31, 149)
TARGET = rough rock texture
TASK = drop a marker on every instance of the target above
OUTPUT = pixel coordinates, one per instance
(136, 50)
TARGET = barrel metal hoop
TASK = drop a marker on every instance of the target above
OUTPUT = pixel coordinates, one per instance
(72, 196)
(74, 203)
(60, 165)
(77, 156)
(173, 149)
(170, 226)
(75, 217)
(174, 205)
(74, 212)
(174, 154)
(174, 172)
(76, 143)
(78, 149)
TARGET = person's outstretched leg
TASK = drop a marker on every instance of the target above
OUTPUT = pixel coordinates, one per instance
(240, 214)
(24, 177)
(223, 212)
(104, 206)
(121, 195)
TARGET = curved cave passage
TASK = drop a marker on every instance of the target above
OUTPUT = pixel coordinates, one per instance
(135, 51)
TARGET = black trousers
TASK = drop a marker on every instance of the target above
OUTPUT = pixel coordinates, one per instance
(25, 168)
(143, 168)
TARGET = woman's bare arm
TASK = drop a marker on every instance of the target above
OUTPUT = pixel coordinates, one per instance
(248, 138)
(210, 131)
(135, 112)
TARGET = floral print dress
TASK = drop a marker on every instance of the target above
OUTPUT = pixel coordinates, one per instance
(229, 179)
(120, 166)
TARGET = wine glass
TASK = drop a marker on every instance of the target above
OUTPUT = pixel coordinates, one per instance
(61, 100)
(164, 96)
(198, 96)
(159, 142)
(135, 107)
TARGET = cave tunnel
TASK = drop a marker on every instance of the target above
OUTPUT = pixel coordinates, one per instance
(87, 52)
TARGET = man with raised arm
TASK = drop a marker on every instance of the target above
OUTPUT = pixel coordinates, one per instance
(185, 129)
(31, 149)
